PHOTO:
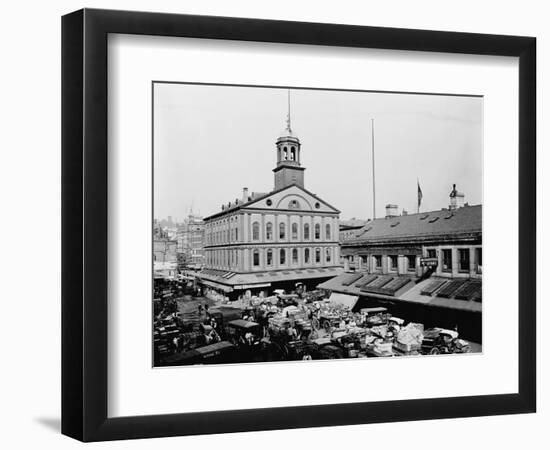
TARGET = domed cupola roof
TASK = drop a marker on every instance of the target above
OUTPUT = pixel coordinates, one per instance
(288, 135)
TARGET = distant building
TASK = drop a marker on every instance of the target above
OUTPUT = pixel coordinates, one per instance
(190, 237)
(274, 239)
(164, 257)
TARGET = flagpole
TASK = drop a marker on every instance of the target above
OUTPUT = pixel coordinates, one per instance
(373, 177)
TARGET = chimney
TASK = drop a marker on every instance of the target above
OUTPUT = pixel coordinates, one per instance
(391, 211)
(245, 194)
(456, 199)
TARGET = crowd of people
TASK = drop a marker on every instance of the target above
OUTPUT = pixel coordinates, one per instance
(282, 324)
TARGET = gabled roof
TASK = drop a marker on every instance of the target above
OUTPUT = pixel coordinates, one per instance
(257, 198)
(465, 220)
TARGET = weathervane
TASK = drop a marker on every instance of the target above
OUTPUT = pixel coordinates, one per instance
(288, 127)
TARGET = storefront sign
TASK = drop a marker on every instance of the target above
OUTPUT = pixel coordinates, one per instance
(428, 262)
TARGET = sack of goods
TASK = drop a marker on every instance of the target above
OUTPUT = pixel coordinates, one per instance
(410, 337)
(278, 321)
(382, 348)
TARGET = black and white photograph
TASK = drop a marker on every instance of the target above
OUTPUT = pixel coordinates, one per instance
(297, 224)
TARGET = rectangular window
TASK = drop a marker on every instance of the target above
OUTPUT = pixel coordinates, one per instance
(411, 262)
(378, 261)
(431, 253)
(447, 260)
(464, 259)
(392, 259)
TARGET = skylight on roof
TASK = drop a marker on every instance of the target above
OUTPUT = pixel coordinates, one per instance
(434, 219)
(394, 224)
(425, 217)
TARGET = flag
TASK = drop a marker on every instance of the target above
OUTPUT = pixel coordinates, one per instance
(419, 195)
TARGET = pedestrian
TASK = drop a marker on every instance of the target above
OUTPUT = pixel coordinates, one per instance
(175, 344)
(200, 309)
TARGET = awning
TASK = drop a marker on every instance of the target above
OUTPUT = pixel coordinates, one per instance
(344, 299)
(217, 286)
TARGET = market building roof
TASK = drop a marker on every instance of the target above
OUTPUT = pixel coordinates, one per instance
(352, 223)
(454, 294)
(228, 281)
(462, 221)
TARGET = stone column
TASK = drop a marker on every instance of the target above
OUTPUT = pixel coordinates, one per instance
(262, 228)
(454, 253)
(472, 261)
(385, 264)
(439, 255)
(246, 228)
(246, 260)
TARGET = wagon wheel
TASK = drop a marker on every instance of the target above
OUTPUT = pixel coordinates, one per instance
(326, 325)
(315, 323)
(306, 357)
(435, 351)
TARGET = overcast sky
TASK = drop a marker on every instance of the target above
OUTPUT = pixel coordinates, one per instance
(211, 141)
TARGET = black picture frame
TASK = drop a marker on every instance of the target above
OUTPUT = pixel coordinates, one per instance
(84, 224)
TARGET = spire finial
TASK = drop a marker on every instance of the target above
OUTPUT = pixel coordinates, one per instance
(288, 127)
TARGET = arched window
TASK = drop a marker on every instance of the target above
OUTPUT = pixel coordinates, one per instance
(294, 256)
(293, 154)
(269, 231)
(306, 255)
(327, 231)
(281, 231)
(294, 231)
(317, 255)
(269, 257)
(327, 255)
(306, 232)
(255, 231)
(256, 258)
(317, 231)
(285, 153)
(236, 234)
(282, 256)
